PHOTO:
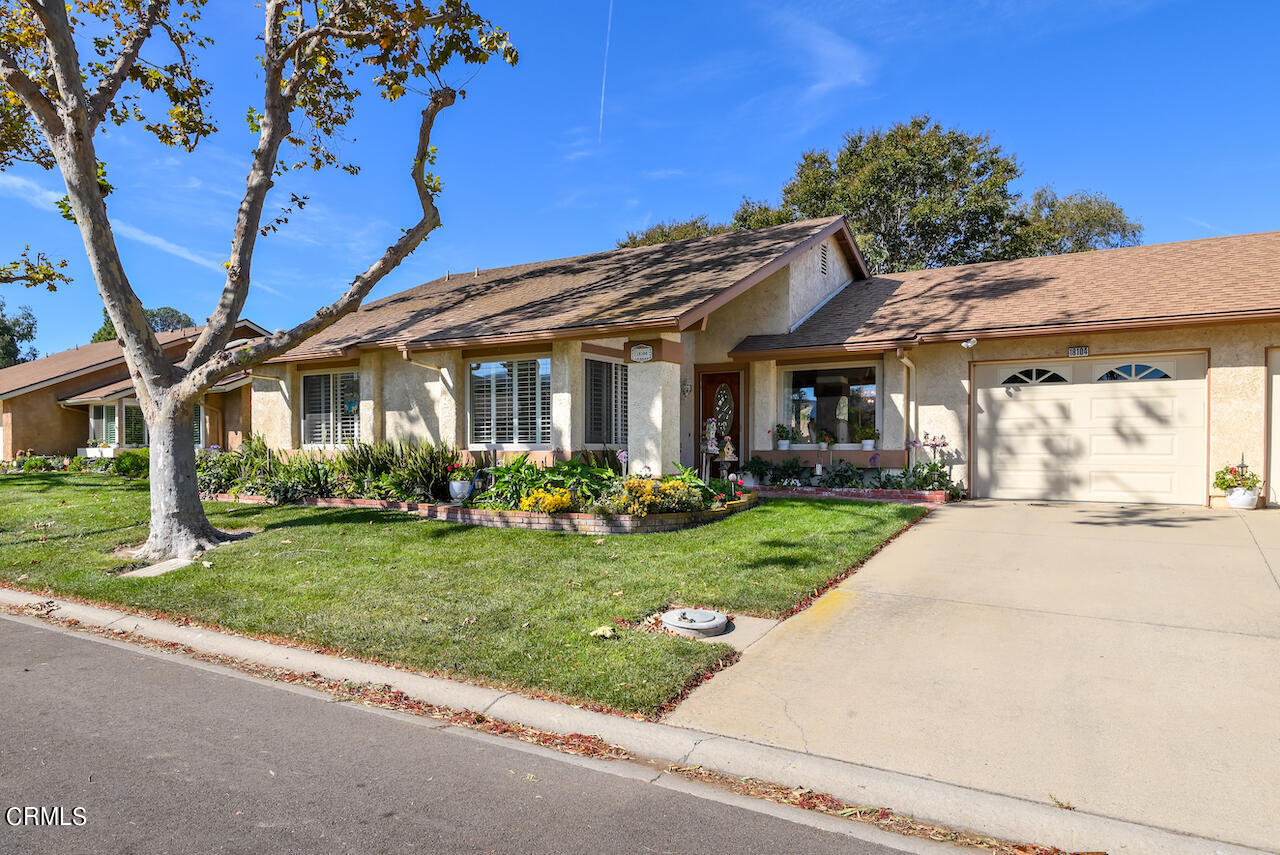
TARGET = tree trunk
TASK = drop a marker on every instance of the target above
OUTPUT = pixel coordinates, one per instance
(179, 527)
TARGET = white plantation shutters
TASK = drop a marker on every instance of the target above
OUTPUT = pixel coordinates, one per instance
(102, 423)
(606, 402)
(331, 408)
(511, 402)
(135, 427)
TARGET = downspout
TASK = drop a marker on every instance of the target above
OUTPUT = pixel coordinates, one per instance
(911, 413)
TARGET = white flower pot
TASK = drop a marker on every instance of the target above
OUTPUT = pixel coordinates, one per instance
(1238, 497)
(868, 445)
(784, 445)
(748, 480)
(822, 446)
(459, 490)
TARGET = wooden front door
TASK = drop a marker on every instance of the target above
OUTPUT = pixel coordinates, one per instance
(720, 397)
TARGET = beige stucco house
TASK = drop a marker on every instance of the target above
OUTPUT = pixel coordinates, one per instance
(74, 399)
(1120, 375)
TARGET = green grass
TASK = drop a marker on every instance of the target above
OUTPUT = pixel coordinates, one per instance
(503, 606)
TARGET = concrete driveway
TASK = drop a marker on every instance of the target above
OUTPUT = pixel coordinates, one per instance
(1122, 659)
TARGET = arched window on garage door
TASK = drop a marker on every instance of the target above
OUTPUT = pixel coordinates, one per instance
(1134, 371)
(1033, 375)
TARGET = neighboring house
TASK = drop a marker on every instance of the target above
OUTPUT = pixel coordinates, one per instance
(636, 348)
(83, 397)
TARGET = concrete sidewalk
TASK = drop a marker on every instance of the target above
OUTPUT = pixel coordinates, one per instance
(947, 804)
(1125, 660)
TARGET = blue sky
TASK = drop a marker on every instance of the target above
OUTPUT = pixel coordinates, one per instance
(1167, 107)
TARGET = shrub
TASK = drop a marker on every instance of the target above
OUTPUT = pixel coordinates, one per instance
(37, 464)
(792, 470)
(1236, 477)
(132, 464)
(758, 467)
(844, 474)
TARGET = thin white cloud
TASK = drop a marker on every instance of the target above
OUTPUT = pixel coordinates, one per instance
(29, 191)
(832, 61)
(664, 173)
(1209, 227)
(156, 242)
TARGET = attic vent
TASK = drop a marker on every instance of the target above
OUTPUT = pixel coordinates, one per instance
(822, 259)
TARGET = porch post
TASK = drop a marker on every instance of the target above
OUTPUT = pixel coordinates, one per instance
(568, 383)
(653, 416)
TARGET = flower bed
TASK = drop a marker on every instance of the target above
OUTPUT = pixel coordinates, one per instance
(572, 522)
(862, 493)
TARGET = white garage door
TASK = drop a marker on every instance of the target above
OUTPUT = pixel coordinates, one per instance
(1128, 429)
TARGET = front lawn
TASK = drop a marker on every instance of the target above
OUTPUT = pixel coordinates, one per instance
(507, 607)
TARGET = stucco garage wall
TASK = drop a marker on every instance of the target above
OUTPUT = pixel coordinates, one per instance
(1237, 380)
(37, 422)
(274, 391)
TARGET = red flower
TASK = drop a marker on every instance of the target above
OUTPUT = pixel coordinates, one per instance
(739, 493)
(1233, 471)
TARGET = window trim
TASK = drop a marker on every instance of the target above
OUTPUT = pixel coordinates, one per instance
(601, 446)
(782, 414)
(319, 446)
(467, 362)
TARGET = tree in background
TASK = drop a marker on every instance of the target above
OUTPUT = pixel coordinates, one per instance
(1049, 224)
(673, 230)
(65, 69)
(15, 331)
(163, 319)
(920, 195)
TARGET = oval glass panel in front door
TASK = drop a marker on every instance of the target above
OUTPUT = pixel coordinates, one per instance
(722, 408)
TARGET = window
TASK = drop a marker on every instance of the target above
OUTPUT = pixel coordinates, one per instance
(606, 402)
(511, 402)
(197, 425)
(102, 423)
(135, 427)
(1134, 371)
(837, 400)
(1033, 375)
(331, 408)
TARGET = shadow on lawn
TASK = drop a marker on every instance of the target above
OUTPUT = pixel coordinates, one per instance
(246, 515)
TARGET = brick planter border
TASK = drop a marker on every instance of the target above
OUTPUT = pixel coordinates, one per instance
(578, 523)
(935, 497)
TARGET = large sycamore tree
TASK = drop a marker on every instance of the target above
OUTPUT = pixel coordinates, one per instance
(66, 68)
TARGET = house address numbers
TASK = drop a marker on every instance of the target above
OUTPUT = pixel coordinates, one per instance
(1078, 350)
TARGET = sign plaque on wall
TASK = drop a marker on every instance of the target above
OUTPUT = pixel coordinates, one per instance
(641, 353)
(1078, 350)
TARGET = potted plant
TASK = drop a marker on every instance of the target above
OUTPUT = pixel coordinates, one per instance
(1240, 485)
(461, 480)
(825, 439)
(755, 471)
(783, 435)
(867, 435)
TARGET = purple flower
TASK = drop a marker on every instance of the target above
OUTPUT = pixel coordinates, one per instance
(622, 457)
(875, 459)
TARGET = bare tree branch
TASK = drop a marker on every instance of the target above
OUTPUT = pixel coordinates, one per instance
(225, 362)
(110, 85)
(32, 98)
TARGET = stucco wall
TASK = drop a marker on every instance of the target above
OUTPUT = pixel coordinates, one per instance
(418, 396)
(274, 391)
(1237, 380)
(37, 422)
(762, 309)
(568, 378)
(809, 285)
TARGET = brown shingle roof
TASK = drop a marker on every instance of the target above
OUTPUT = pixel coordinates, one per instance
(1208, 279)
(89, 357)
(641, 286)
(124, 387)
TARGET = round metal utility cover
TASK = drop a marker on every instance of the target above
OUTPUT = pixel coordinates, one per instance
(695, 623)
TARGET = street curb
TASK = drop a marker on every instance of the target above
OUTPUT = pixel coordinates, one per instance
(947, 804)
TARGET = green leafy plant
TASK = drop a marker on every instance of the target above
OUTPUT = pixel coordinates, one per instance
(783, 432)
(844, 474)
(793, 469)
(132, 464)
(866, 432)
(758, 467)
(1238, 477)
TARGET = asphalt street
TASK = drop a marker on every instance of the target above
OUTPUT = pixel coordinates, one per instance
(165, 755)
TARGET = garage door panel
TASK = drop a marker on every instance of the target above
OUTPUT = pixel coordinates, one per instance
(1090, 440)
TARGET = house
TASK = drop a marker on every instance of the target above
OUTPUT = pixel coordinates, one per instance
(1122, 375)
(84, 397)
